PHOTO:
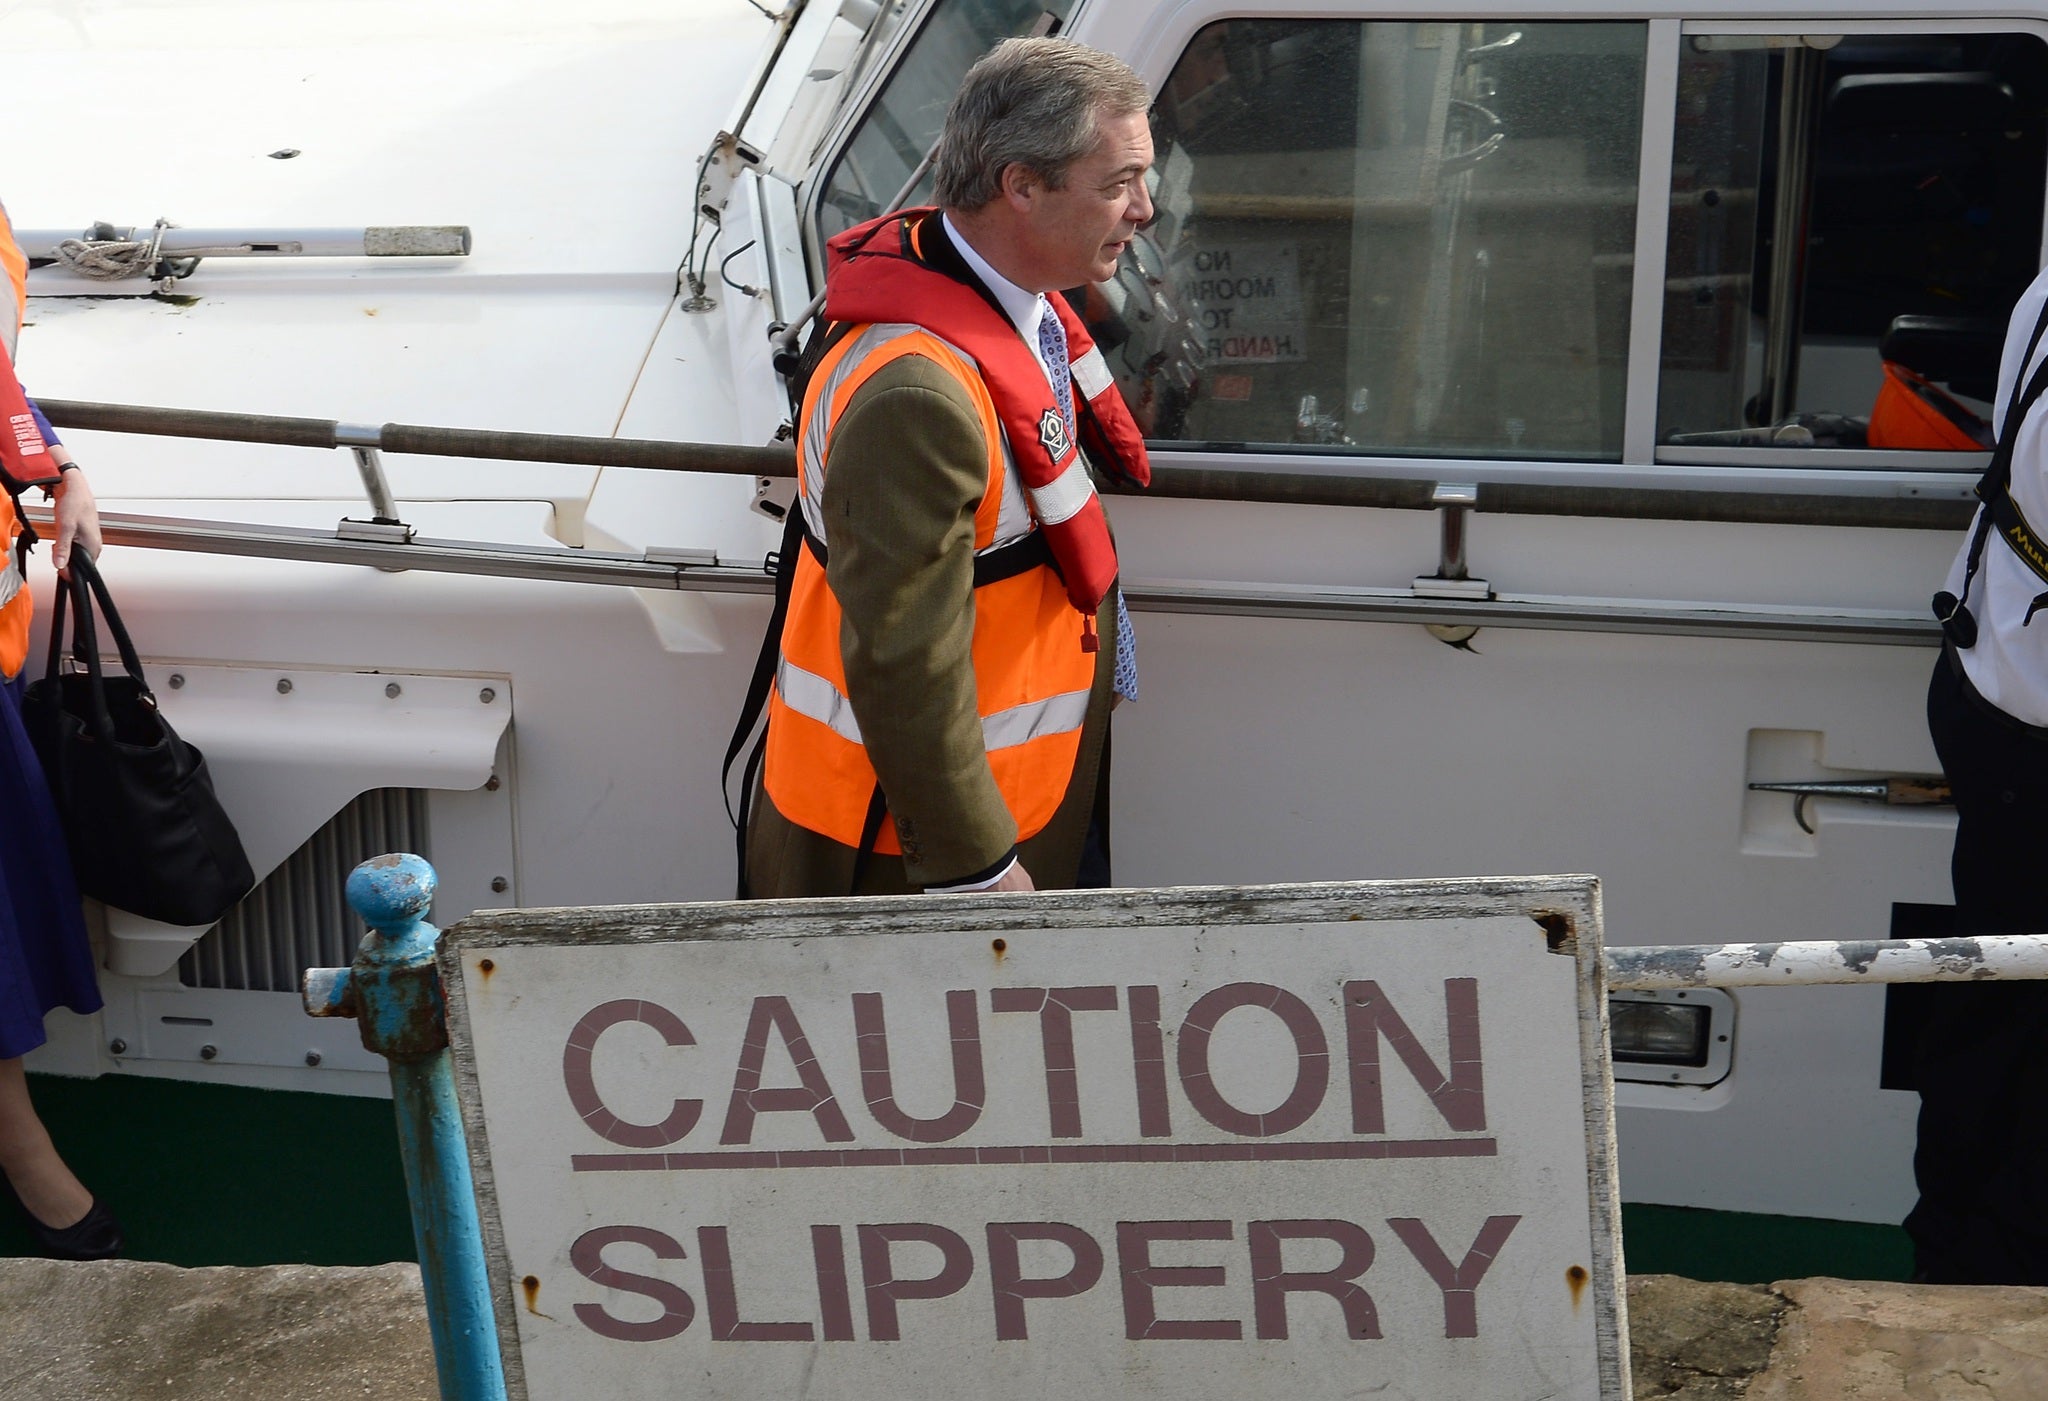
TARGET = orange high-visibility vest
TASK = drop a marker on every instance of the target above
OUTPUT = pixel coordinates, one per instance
(18, 603)
(1033, 677)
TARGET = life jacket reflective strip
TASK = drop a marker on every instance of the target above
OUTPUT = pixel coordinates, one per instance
(1033, 679)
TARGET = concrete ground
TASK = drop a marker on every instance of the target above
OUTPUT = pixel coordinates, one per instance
(1836, 1340)
(123, 1330)
(131, 1330)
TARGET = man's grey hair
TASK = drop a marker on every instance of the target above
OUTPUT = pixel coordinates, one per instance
(1028, 102)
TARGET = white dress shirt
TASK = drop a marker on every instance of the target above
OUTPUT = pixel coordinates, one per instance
(2009, 664)
(1025, 309)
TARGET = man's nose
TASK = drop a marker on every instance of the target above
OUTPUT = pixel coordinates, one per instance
(1141, 202)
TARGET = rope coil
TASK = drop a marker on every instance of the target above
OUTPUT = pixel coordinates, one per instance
(111, 259)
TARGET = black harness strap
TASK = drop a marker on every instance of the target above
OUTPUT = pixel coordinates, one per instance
(2012, 527)
(25, 540)
(783, 566)
(1020, 556)
(870, 831)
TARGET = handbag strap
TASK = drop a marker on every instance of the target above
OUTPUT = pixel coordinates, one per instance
(75, 595)
(55, 656)
(131, 661)
(85, 650)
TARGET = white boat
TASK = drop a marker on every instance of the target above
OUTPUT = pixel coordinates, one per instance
(1456, 316)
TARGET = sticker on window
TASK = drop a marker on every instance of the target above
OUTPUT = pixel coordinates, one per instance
(1247, 299)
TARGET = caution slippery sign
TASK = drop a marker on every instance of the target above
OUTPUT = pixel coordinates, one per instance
(1303, 1141)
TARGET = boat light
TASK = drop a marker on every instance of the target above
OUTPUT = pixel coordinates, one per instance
(1684, 1037)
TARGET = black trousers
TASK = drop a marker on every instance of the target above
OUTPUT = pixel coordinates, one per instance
(1982, 1065)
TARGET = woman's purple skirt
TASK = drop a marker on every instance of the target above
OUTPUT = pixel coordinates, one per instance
(45, 960)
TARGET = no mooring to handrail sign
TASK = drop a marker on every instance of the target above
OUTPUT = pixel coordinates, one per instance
(1313, 1141)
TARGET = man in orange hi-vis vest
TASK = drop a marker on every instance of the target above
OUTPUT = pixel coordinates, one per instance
(954, 633)
(45, 960)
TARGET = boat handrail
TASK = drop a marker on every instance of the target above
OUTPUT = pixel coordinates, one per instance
(778, 460)
(703, 571)
(387, 241)
(1678, 502)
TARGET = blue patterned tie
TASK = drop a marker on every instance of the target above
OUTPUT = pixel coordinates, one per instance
(1052, 343)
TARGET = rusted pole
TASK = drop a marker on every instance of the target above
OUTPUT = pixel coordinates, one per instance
(1825, 961)
(394, 994)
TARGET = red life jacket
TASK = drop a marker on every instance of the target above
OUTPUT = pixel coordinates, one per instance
(877, 272)
(24, 456)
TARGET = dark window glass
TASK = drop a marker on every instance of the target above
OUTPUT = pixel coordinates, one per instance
(1913, 163)
(1388, 237)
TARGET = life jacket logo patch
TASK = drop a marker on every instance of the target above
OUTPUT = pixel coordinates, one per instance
(1052, 431)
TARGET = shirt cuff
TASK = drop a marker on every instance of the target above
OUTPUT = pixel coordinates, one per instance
(43, 425)
(980, 881)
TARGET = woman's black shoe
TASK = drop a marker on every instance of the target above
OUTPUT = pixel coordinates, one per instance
(93, 1236)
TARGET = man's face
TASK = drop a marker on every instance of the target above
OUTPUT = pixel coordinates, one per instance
(1075, 234)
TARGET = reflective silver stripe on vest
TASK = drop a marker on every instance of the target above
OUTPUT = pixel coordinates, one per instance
(10, 580)
(1013, 516)
(818, 432)
(808, 693)
(1020, 724)
(10, 325)
(1064, 495)
(1091, 373)
(1013, 512)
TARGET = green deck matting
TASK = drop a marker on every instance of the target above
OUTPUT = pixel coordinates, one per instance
(1745, 1248)
(218, 1175)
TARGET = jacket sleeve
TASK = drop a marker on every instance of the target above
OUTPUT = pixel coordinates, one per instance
(908, 468)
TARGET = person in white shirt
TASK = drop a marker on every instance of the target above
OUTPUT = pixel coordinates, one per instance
(1982, 1063)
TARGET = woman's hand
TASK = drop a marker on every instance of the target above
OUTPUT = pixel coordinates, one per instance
(78, 520)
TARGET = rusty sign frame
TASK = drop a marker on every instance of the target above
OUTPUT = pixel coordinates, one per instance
(1565, 911)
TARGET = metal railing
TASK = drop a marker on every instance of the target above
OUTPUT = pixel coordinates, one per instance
(388, 544)
(1171, 480)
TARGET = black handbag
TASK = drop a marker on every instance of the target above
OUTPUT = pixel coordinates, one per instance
(146, 832)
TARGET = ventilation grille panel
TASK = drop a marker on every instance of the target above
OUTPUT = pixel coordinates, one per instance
(298, 918)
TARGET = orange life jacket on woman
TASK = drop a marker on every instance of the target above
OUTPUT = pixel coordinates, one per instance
(25, 449)
(1044, 558)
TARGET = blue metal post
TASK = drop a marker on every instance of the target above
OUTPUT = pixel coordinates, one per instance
(394, 993)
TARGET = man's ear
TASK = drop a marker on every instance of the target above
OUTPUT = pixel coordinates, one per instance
(1020, 185)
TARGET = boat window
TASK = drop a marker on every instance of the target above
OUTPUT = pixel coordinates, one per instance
(1913, 164)
(901, 125)
(1388, 237)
